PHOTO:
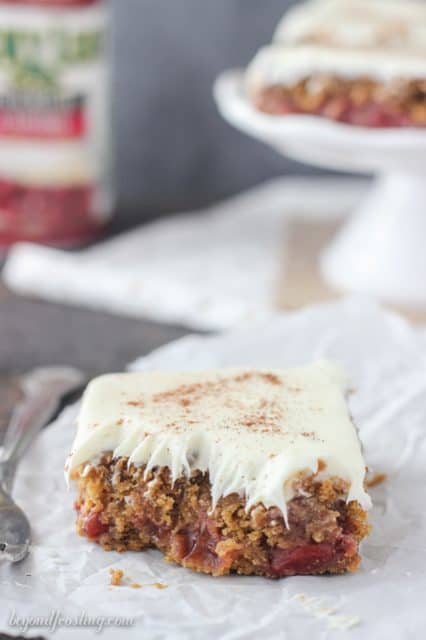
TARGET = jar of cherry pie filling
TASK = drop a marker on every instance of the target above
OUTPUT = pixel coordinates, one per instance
(55, 183)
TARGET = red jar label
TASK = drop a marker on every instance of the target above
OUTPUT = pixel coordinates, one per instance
(54, 143)
(48, 121)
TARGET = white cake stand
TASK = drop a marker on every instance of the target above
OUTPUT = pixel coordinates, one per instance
(382, 249)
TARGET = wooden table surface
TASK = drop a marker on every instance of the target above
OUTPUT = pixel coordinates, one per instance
(35, 333)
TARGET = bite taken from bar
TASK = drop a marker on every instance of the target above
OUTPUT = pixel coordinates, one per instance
(249, 471)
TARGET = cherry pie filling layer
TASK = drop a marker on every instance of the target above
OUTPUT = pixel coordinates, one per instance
(361, 102)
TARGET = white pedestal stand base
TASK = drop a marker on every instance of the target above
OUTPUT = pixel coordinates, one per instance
(382, 249)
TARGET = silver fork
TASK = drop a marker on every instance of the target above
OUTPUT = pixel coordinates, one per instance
(43, 390)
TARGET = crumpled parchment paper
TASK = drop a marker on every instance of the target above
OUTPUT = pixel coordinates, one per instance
(385, 600)
(211, 269)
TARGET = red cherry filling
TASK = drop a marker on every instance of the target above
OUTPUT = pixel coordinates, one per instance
(339, 108)
(93, 525)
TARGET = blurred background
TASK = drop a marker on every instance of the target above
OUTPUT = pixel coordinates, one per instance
(111, 292)
(173, 150)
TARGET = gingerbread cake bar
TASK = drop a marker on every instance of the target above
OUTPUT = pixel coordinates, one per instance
(372, 88)
(247, 471)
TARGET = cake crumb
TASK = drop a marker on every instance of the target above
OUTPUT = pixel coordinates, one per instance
(375, 480)
(157, 585)
(160, 585)
(116, 577)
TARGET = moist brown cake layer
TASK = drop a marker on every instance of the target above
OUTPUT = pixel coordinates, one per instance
(361, 101)
(120, 509)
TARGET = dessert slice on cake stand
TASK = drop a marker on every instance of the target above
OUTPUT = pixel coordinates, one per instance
(360, 109)
(380, 250)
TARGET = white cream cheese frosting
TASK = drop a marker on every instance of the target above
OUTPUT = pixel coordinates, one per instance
(356, 23)
(274, 65)
(252, 430)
